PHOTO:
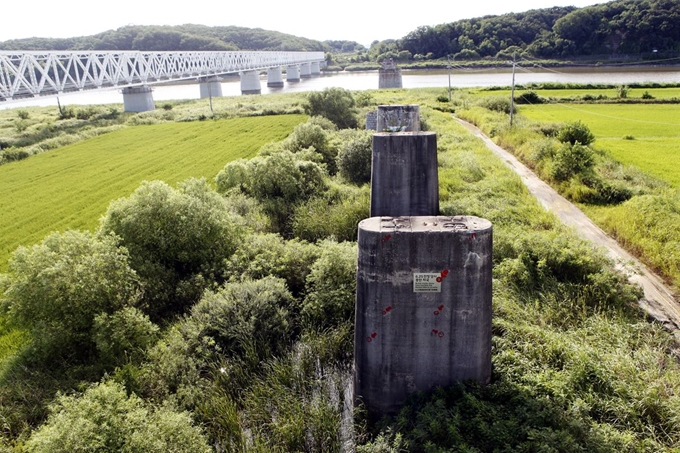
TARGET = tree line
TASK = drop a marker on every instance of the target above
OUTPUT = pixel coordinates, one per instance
(181, 37)
(613, 28)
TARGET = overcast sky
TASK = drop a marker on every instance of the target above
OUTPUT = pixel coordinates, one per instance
(354, 20)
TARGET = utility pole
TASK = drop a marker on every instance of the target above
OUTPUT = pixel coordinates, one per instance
(448, 66)
(512, 92)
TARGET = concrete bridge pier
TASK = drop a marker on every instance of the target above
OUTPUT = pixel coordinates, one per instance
(423, 307)
(210, 87)
(250, 82)
(305, 70)
(293, 73)
(404, 174)
(274, 77)
(315, 68)
(138, 99)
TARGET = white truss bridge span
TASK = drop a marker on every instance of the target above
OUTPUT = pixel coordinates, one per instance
(25, 74)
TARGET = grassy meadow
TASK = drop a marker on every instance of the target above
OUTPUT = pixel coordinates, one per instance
(71, 187)
(646, 136)
(576, 365)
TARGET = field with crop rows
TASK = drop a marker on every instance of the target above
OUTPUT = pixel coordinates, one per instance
(71, 187)
(643, 135)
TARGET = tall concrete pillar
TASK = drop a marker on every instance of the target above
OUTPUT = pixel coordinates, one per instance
(314, 68)
(274, 77)
(210, 87)
(250, 82)
(398, 118)
(292, 73)
(305, 70)
(389, 75)
(404, 176)
(138, 99)
(423, 307)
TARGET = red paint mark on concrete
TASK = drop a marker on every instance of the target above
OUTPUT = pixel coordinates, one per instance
(387, 310)
(386, 238)
(445, 272)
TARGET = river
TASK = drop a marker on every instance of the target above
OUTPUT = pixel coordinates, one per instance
(365, 80)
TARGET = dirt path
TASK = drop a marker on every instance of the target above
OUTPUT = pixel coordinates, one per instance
(658, 300)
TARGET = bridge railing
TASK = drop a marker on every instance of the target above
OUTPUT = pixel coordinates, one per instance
(27, 74)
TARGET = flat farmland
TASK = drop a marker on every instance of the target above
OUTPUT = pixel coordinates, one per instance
(646, 136)
(71, 187)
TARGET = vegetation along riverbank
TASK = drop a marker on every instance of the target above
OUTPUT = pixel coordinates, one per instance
(216, 314)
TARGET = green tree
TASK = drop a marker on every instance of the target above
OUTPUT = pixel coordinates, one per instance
(56, 289)
(336, 104)
(178, 240)
(354, 158)
(105, 419)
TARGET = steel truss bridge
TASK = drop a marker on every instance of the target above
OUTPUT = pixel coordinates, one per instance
(26, 74)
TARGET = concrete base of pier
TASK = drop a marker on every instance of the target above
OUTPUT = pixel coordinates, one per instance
(210, 87)
(138, 99)
(274, 78)
(250, 82)
(423, 307)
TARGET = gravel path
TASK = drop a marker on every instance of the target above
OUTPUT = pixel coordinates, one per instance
(658, 300)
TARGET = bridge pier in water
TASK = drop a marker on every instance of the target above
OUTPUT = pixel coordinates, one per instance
(293, 73)
(138, 99)
(210, 87)
(250, 82)
(315, 68)
(274, 77)
(305, 70)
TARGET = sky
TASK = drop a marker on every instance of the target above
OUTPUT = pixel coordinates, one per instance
(362, 21)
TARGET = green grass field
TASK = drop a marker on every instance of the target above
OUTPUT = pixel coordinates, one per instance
(633, 93)
(645, 136)
(71, 187)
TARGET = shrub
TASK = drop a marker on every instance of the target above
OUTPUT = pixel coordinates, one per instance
(23, 114)
(336, 104)
(242, 318)
(575, 132)
(570, 160)
(354, 158)
(106, 419)
(331, 286)
(647, 95)
(262, 255)
(178, 240)
(496, 104)
(123, 336)
(56, 289)
(530, 97)
(313, 135)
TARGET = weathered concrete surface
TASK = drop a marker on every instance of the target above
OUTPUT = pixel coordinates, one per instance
(210, 87)
(658, 300)
(423, 307)
(404, 177)
(398, 118)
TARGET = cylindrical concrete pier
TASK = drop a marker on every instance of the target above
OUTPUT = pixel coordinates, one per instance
(423, 307)
(315, 69)
(138, 99)
(250, 82)
(398, 118)
(274, 77)
(292, 73)
(210, 87)
(305, 70)
(404, 177)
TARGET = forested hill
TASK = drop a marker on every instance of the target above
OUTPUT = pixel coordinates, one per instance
(181, 37)
(617, 27)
